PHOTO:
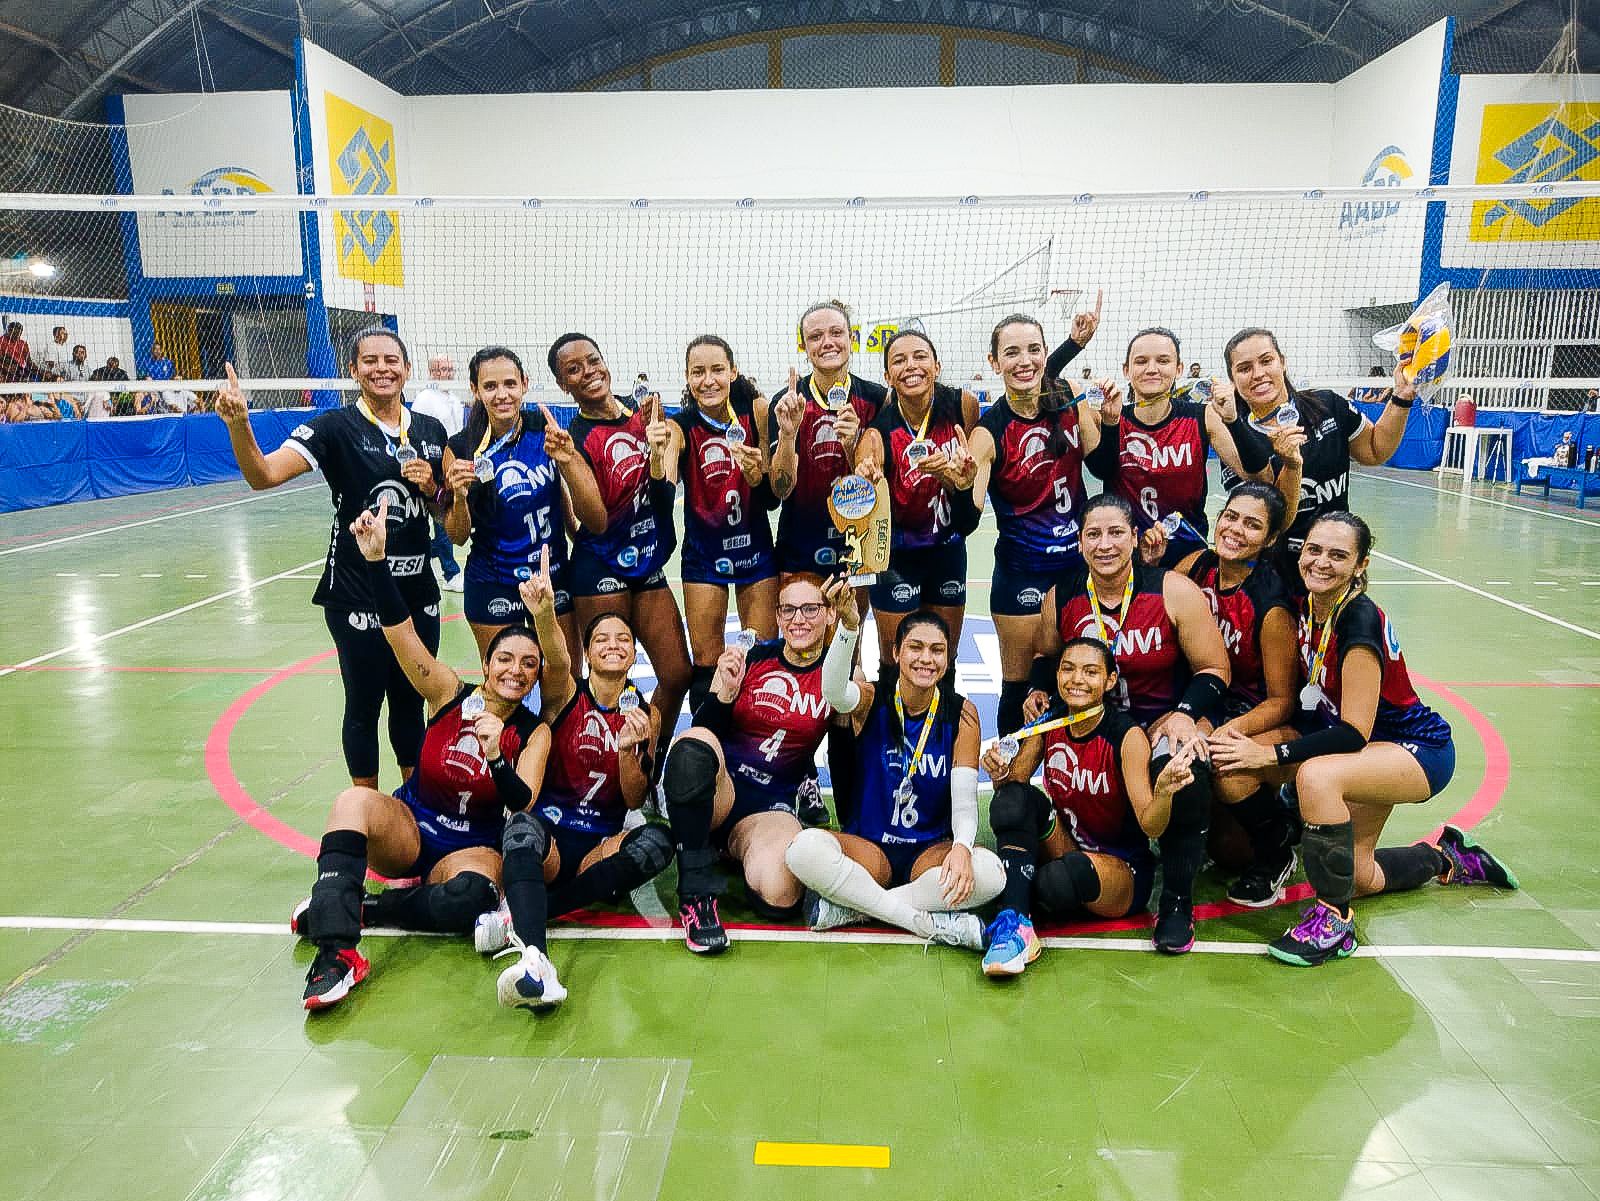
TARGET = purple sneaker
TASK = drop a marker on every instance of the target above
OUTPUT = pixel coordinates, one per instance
(1471, 863)
(1320, 935)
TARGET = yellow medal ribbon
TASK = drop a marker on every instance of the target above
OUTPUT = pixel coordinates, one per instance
(821, 398)
(1321, 653)
(405, 421)
(1094, 606)
(927, 726)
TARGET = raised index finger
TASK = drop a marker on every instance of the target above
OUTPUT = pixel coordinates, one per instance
(233, 380)
(1099, 299)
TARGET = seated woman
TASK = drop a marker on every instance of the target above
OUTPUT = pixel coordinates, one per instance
(482, 753)
(906, 856)
(1366, 744)
(733, 780)
(1082, 843)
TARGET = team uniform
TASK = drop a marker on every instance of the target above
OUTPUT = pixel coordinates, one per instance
(769, 744)
(1083, 781)
(451, 794)
(1239, 612)
(904, 830)
(581, 801)
(513, 516)
(1151, 670)
(1160, 469)
(726, 537)
(1402, 718)
(639, 538)
(807, 539)
(927, 556)
(357, 458)
(1036, 488)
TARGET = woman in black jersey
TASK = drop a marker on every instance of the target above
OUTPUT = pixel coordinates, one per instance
(373, 449)
(484, 754)
(1256, 615)
(1335, 434)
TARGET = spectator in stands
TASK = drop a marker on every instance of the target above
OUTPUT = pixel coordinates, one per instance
(15, 411)
(444, 406)
(161, 366)
(1088, 373)
(97, 406)
(16, 360)
(180, 400)
(1372, 391)
(56, 354)
(76, 369)
(111, 371)
(66, 406)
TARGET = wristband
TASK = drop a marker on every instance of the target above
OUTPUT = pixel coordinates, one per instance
(386, 598)
(1203, 697)
(1401, 404)
(1341, 738)
(513, 789)
(714, 713)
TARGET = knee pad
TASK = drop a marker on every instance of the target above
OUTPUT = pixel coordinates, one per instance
(1018, 811)
(811, 855)
(1330, 854)
(525, 832)
(1191, 804)
(455, 905)
(690, 775)
(1068, 883)
(649, 849)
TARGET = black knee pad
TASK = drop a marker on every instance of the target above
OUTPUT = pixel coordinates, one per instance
(525, 832)
(770, 912)
(455, 905)
(690, 776)
(1066, 884)
(649, 849)
(1191, 804)
(1330, 862)
(1013, 694)
(1018, 812)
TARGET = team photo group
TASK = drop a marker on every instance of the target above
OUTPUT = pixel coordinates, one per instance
(1176, 692)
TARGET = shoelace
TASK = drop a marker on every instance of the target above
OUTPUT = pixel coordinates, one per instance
(1006, 926)
(514, 945)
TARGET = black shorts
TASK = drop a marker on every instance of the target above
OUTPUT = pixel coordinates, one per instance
(924, 575)
(1018, 592)
(593, 576)
(490, 603)
(573, 846)
(701, 565)
(749, 800)
(902, 857)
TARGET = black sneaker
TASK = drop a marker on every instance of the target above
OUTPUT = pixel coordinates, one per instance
(1262, 884)
(1174, 926)
(334, 972)
(813, 809)
(702, 926)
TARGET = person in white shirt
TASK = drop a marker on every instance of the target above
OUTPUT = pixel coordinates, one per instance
(76, 369)
(444, 406)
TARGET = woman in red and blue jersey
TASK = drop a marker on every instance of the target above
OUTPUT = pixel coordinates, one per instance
(522, 505)
(1030, 449)
(917, 445)
(1366, 743)
(905, 855)
(733, 780)
(710, 446)
(624, 570)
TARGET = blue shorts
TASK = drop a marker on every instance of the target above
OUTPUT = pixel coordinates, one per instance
(1017, 592)
(491, 603)
(903, 857)
(443, 835)
(593, 576)
(710, 565)
(804, 552)
(923, 575)
(748, 800)
(1438, 763)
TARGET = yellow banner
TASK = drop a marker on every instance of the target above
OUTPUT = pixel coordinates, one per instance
(1538, 143)
(361, 154)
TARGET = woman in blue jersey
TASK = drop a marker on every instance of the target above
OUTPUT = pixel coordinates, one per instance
(711, 447)
(505, 471)
(1366, 744)
(906, 855)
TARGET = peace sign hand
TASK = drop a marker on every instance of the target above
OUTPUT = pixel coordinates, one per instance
(1085, 324)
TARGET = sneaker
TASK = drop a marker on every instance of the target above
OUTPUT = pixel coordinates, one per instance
(1012, 944)
(1263, 883)
(962, 930)
(702, 925)
(1174, 926)
(823, 914)
(812, 808)
(1320, 935)
(491, 932)
(334, 972)
(297, 919)
(530, 982)
(1471, 863)
(454, 583)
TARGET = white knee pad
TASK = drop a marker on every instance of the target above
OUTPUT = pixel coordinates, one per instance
(815, 857)
(988, 878)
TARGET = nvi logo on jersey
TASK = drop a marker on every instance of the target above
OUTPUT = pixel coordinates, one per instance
(1388, 169)
(1538, 144)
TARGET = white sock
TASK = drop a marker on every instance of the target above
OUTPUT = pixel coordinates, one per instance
(819, 862)
(988, 882)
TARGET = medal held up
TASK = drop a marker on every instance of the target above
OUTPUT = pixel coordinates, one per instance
(860, 511)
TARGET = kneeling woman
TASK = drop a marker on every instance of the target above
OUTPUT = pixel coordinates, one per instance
(1366, 744)
(906, 856)
(1082, 843)
(482, 754)
(734, 779)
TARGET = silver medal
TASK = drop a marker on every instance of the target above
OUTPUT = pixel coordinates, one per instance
(523, 573)
(473, 707)
(1311, 698)
(906, 792)
(628, 701)
(837, 396)
(746, 641)
(483, 468)
(735, 433)
(641, 393)
(405, 453)
(917, 451)
(1007, 748)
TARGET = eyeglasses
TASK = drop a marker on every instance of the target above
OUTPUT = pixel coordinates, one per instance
(810, 611)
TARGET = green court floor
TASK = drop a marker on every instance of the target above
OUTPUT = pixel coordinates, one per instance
(160, 657)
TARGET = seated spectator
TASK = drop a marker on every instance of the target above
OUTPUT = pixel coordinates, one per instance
(111, 371)
(52, 405)
(17, 410)
(16, 360)
(77, 368)
(1372, 391)
(97, 406)
(161, 367)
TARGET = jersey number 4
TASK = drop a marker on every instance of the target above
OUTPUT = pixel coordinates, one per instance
(773, 745)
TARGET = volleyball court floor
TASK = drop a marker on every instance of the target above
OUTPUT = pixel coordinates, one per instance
(172, 711)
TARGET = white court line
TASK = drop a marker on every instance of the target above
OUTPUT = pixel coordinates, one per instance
(129, 525)
(838, 937)
(1483, 500)
(96, 639)
(1497, 599)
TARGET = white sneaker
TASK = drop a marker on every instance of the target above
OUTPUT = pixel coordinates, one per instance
(823, 914)
(454, 583)
(962, 930)
(530, 982)
(492, 931)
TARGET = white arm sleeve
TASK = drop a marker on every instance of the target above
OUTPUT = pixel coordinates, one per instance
(838, 689)
(964, 805)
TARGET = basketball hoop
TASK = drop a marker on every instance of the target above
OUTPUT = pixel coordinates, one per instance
(1063, 302)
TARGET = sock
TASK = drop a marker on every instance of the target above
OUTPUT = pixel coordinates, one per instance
(1410, 867)
(1265, 823)
(523, 847)
(644, 853)
(1012, 694)
(334, 917)
(699, 686)
(1330, 854)
(819, 862)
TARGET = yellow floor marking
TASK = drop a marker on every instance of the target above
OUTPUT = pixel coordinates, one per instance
(821, 1155)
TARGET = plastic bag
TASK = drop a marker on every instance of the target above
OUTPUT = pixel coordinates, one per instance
(1421, 343)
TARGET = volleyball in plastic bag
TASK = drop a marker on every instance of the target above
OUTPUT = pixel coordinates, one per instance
(1421, 343)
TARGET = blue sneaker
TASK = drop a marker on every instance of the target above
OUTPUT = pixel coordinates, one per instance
(1012, 944)
(1321, 934)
